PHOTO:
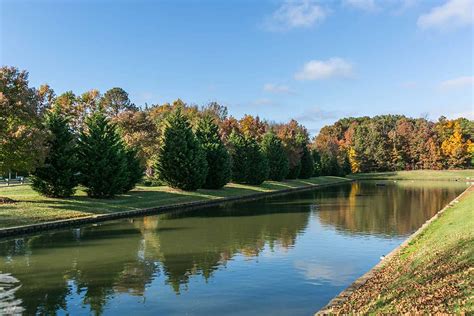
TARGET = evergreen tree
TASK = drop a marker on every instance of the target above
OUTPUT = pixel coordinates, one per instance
(295, 170)
(218, 159)
(275, 153)
(344, 164)
(181, 161)
(317, 163)
(57, 176)
(249, 164)
(103, 162)
(134, 169)
(307, 164)
(329, 166)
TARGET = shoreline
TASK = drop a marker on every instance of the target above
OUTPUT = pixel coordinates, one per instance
(343, 296)
(58, 224)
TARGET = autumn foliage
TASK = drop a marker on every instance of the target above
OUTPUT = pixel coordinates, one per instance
(395, 142)
(189, 147)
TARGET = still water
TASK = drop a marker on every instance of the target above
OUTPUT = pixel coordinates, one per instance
(279, 256)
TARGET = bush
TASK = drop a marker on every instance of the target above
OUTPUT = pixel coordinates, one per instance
(103, 161)
(307, 164)
(274, 151)
(181, 161)
(249, 164)
(218, 159)
(57, 177)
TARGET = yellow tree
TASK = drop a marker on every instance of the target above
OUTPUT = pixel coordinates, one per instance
(354, 160)
(456, 149)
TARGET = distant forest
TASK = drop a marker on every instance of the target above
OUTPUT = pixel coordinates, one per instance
(397, 142)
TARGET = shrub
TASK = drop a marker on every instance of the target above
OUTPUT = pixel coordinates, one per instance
(57, 176)
(103, 162)
(181, 161)
(274, 151)
(218, 159)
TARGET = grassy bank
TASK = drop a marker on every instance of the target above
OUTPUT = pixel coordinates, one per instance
(32, 208)
(451, 175)
(433, 274)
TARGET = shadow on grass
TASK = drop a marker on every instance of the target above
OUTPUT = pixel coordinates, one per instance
(142, 198)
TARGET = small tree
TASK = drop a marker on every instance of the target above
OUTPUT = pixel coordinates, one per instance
(307, 164)
(181, 161)
(57, 176)
(103, 163)
(249, 164)
(275, 153)
(218, 159)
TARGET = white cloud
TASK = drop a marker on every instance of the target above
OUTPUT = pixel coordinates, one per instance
(454, 13)
(295, 14)
(276, 88)
(325, 69)
(367, 5)
(458, 82)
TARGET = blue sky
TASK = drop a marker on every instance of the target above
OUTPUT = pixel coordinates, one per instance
(315, 61)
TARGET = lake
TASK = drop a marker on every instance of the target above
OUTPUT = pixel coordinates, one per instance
(281, 256)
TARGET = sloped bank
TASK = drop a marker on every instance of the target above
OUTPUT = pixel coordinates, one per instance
(431, 272)
(50, 225)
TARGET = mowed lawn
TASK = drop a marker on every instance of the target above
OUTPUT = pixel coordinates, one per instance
(453, 175)
(33, 208)
(433, 274)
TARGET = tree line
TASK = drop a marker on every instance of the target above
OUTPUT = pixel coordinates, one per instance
(107, 144)
(397, 142)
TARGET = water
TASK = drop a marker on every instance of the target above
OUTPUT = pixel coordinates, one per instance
(280, 256)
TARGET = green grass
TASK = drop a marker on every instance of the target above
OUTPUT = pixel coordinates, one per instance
(434, 273)
(33, 208)
(453, 175)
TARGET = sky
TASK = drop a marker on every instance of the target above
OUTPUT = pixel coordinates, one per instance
(315, 61)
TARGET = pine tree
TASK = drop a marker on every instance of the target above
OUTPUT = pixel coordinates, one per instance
(181, 161)
(307, 164)
(329, 166)
(344, 164)
(275, 153)
(295, 170)
(57, 176)
(317, 163)
(249, 164)
(134, 169)
(218, 159)
(103, 162)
